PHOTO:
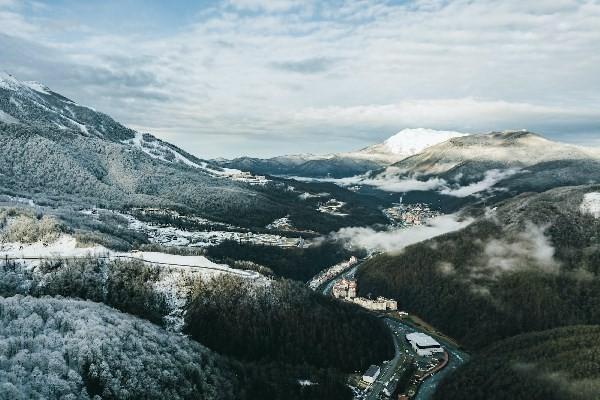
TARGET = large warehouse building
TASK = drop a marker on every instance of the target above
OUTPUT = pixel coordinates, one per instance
(424, 344)
(371, 374)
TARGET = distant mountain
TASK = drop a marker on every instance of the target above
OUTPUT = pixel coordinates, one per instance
(55, 152)
(491, 166)
(340, 165)
(304, 165)
(475, 153)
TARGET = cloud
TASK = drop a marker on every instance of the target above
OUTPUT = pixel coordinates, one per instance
(287, 76)
(396, 240)
(529, 248)
(490, 178)
(307, 66)
(268, 5)
(393, 179)
(402, 185)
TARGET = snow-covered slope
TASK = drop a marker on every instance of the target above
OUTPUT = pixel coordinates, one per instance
(509, 149)
(32, 103)
(591, 204)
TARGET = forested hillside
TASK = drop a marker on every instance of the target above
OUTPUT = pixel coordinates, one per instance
(57, 166)
(531, 264)
(292, 263)
(285, 322)
(276, 332)
(57, 348)
(558, 364)
(59, 153)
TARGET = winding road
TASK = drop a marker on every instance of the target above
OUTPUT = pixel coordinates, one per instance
(399, 330)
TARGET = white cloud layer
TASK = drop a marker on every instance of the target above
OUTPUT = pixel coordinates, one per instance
(392, 179)
(530, 248)
(268, 77)
(490, 178)
(396, 240)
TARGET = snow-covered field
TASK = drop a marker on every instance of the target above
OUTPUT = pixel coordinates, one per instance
(591, 204)
(67, 247)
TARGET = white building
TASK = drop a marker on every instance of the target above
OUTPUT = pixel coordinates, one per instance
(380, 304)
(371, 374)
(424, 344)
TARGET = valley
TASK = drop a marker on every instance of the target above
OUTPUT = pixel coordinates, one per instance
(296, 277)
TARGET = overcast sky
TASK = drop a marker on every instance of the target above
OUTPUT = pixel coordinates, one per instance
(283, 76)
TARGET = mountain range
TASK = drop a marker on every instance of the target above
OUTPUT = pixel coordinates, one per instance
(340, 165)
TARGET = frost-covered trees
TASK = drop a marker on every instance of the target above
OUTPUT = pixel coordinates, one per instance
(25, 227)
(56, 348)
(125, 285)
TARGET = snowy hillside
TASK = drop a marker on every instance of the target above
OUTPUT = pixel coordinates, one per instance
(508, 149)
(32, 103)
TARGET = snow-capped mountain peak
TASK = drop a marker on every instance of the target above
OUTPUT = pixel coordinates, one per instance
(403, 144)
(9, 82)
(408, 142)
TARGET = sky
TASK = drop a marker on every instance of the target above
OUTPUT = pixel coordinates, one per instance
(264, 78)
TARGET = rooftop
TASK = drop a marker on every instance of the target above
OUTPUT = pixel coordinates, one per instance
(372, 371)
(421, 339)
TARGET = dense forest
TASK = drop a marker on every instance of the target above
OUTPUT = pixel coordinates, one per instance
(283, 321)
(504, 274)
(558, 364)
(292, 263)
(125, 285)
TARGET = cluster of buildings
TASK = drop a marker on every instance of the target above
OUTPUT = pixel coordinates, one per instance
(331, 272)
(247, 177)
(345, 289)
(410, 214)
(284, 224)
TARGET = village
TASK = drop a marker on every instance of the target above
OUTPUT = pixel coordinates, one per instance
(409, 214)
(345, 289)
(332, 207)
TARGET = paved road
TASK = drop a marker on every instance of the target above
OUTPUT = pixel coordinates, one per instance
(326, 288)
(389, 370)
